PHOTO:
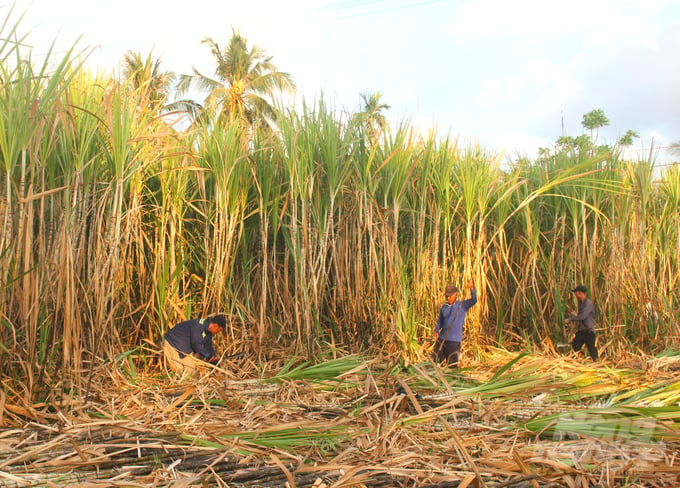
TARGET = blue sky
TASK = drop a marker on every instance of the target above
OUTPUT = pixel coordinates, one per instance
(505, 74)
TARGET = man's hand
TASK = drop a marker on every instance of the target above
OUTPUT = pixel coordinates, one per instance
(470, 284)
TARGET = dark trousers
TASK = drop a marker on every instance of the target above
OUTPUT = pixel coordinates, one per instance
(588, 338)
(447, 352)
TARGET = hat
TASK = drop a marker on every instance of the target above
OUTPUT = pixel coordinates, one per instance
(220, 320)
(580, 288)
(450, 290)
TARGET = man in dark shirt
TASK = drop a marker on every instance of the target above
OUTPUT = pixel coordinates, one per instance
(586, 323)
(191, 340)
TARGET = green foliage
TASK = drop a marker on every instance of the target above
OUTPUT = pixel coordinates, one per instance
(325, 227)
(321, 372)
(243, 84)
(628, 138)
(617, 424)
(593, 121)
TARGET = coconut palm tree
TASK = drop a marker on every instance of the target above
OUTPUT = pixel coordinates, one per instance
(628, 139)
(145, 75)
(372, 115)
(244, 83)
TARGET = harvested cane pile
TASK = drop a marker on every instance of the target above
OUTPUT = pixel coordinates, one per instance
(513, 421)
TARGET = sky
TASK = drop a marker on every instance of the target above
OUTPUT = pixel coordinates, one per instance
(512, 76)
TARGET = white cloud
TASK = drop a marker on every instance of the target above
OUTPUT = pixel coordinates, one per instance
(519, 143)
(501, 90)
(553, 86)
(548, 20)
(505, 68)
(533, 19)
(491, 92)
(399, 95)
(538, 87)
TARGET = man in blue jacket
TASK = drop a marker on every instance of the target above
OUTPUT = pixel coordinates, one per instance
(191, 340)
(449, 327)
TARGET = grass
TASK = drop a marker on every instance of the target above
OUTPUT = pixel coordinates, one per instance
(315, 231)
(514, 417)
(327, 243)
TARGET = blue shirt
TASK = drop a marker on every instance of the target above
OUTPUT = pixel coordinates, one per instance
(192, 336)
(455, 313)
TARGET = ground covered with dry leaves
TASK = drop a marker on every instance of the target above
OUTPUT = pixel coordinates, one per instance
(506, 420)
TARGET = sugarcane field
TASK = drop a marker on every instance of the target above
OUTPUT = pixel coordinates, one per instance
(234, 292)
